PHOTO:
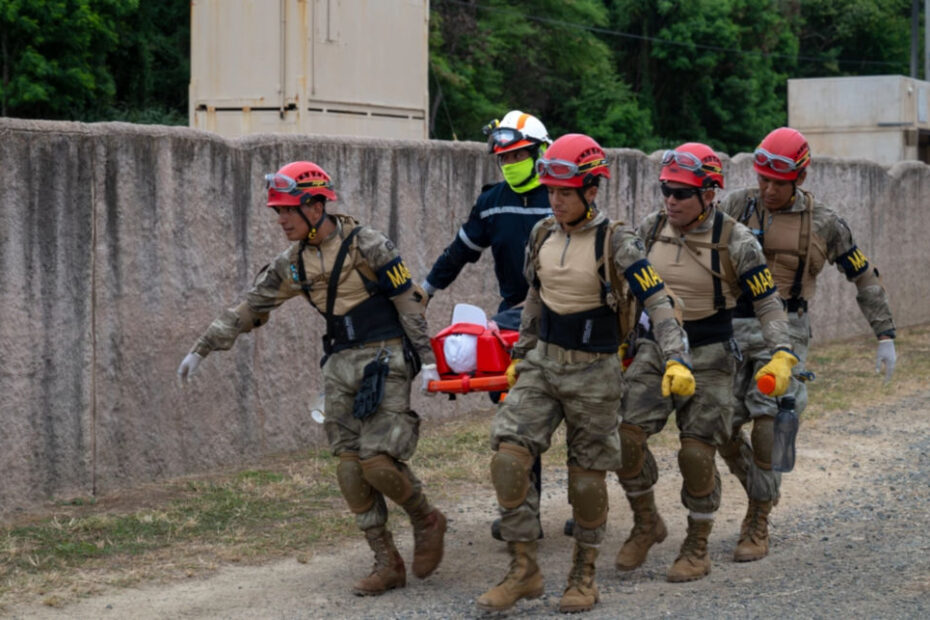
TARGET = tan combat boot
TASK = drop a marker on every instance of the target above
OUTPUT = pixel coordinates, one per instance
(429, 529)
(389, 571)
(523, 581)
(754, 533)
(648, 529)
(693, 562)
(581, 592)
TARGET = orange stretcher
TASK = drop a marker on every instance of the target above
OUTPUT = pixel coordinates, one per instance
(493, 348)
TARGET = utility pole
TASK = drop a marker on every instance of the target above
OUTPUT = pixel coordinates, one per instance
(915, 35)
(927, 40)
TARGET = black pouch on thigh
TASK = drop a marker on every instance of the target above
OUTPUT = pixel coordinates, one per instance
(371, 390)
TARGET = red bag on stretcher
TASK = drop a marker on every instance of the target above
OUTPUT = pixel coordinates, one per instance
(471, 354)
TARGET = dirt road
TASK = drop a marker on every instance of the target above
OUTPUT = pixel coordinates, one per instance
(851, 537)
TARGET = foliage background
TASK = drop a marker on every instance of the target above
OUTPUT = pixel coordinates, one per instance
(631, 73)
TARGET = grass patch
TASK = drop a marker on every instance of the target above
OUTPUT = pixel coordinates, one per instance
(291, 505)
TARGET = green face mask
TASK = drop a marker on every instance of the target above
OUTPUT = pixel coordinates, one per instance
(520, 176)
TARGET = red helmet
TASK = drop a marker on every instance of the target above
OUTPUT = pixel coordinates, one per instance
(693, 164)
(574, 160)
(783, 154)
(296, 183)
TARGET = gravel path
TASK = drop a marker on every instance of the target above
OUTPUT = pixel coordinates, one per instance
(850, 538)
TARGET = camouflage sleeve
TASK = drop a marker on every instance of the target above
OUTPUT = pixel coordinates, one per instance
(267, 293)
(629, 258)
(871, 295)
(395, 281)
(757, 284)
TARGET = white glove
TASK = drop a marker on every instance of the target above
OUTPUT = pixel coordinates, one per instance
(188, 367)
(885, 354)
(428, 373)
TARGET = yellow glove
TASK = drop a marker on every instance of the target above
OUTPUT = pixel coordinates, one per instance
(780, 368)
(512, 372)
(677, 379)
(621, 355)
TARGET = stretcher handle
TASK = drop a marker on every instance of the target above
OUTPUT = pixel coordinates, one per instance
(467, 384)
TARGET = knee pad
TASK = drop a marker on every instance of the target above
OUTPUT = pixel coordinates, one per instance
(696, 461)
(587, 492)
(382, 473)
(355, 489)
(510, 473)
(632, 440)
(763, 437)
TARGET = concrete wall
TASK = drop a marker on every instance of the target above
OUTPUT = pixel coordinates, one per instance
(120, 243)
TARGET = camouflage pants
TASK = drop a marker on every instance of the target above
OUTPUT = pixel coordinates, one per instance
(761, 484)
(586, 395)
(706, 415)
(393, 429)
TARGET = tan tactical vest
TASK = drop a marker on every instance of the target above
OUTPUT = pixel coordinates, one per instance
(685, 262)
(566, 271)
(318, 262)
(794, 253)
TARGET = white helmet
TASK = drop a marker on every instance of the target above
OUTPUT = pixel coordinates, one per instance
(517, 130)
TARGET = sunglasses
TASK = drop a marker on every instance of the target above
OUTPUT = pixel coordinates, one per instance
(778, 163)
(680, 193)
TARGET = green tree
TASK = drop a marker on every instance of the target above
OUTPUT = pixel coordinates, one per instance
(151, 64)
(854, 37)
(54, 55)
(496, 55)
(710, 70)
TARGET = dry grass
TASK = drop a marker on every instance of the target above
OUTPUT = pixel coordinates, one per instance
(290, 505)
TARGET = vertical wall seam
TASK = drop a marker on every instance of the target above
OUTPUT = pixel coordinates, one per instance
(93, 322)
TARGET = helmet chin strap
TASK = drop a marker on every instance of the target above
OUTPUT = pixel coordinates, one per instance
(588, 208)
(313, 228)
(700, 216)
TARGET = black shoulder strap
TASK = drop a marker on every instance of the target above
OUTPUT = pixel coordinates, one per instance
(719, 302)
(334, 274)
(654, 233)
(803, 247)
(302, 272)
(748, 210)
(331, 287)
(599, 238)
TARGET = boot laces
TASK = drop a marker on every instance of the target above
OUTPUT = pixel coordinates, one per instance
(756, 528)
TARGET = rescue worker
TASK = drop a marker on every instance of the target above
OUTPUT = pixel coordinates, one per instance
(578, 266)
(501, 219)
(376, 338)
(504, 213)
(799, 235)
(706, 259)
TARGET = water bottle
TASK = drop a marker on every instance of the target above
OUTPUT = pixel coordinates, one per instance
(317, 409)
(786, 429)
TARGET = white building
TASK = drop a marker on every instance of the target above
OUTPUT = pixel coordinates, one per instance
(350, 67)
(883, 118)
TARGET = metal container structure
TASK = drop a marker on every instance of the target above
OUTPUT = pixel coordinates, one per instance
(883, 118)
(334, 67)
